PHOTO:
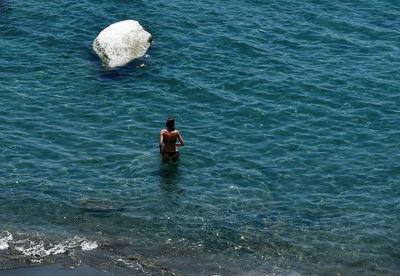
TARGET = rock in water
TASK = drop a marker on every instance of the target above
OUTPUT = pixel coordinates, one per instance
(121, 42)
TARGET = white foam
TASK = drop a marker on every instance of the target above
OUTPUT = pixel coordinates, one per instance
(87, 245)
(131, 264)
(5, 238)
(31, 248)
(40, 249)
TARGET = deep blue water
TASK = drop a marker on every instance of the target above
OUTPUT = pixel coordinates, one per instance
(290, 115)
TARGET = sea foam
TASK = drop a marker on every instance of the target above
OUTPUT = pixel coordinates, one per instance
(5, 238)
(40, 248)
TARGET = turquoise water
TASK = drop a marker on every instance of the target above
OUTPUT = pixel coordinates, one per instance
(290, 115)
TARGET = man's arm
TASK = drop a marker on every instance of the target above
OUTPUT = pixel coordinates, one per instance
(181, 143)
(161, 141)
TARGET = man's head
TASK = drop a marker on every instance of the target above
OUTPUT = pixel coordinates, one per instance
(170, 123)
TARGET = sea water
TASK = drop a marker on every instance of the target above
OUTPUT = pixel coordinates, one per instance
(290, 115)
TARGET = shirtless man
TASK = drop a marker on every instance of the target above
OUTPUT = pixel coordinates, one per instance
(168, 145)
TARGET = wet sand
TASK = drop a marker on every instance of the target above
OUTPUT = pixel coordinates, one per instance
(54, 269)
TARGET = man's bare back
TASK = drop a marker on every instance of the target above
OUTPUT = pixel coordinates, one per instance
(168, 145)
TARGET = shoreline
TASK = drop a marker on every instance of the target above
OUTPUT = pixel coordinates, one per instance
(54, 269)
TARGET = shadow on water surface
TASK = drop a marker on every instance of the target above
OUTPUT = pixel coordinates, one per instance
(131, 69)
(101, 208)
(170, 177)
(5, 20)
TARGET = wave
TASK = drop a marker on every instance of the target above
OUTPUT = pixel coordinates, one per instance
(40, 247)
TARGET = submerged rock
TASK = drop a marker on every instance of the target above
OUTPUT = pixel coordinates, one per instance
(122, 42)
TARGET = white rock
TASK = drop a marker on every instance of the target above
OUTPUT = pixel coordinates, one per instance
(121, 42)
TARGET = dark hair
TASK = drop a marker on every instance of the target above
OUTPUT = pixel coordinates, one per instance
(170, 123)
